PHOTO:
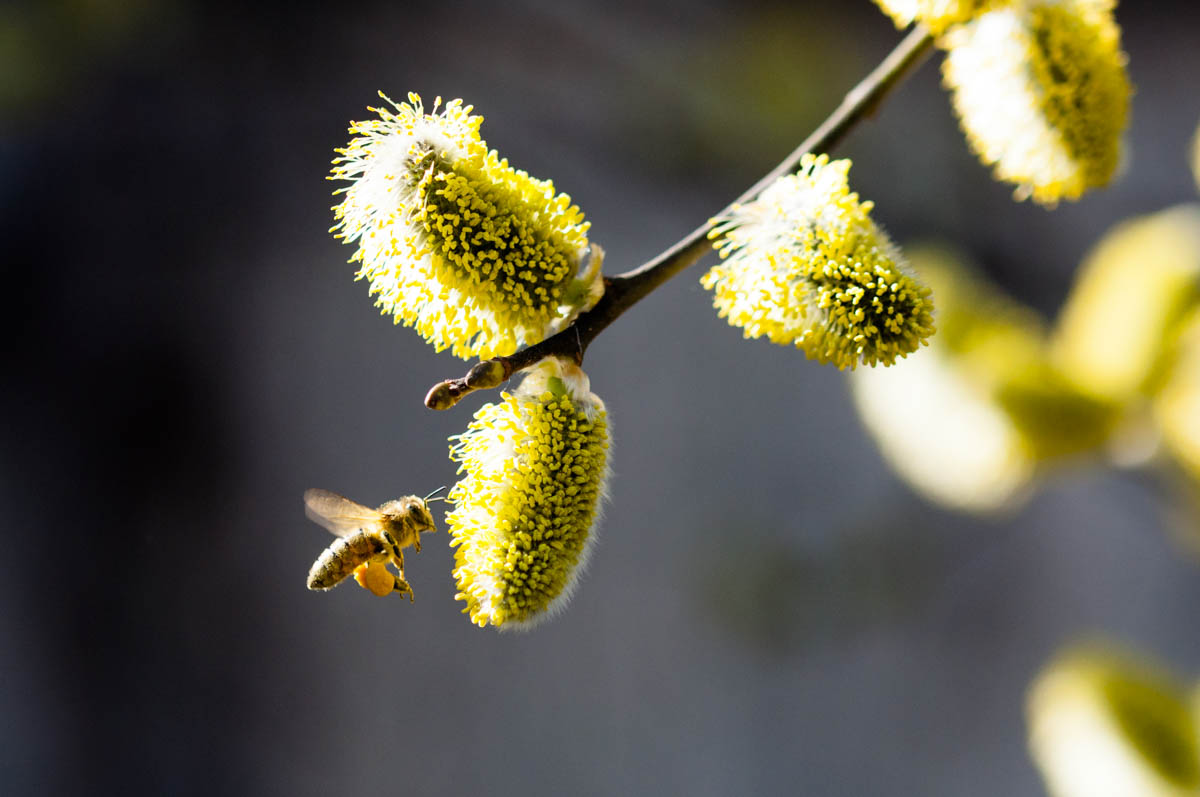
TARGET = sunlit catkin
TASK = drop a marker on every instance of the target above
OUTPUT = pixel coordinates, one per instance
(480, 257)
(535, 467)
(1177, 403)
(1041, 91)
(937, 15)
(1132, 291)
(935, 417)
(969, 422)
(804, 265)
(1105, 724)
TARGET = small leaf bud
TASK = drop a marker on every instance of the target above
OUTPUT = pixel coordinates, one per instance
(440, 397)
(487, 374)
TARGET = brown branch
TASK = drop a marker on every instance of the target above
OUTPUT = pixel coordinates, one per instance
(624, 290)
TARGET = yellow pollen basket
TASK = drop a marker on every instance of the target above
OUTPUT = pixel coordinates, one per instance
(375, 578)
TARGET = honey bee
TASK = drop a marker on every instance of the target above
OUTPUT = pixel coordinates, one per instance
(367, 540)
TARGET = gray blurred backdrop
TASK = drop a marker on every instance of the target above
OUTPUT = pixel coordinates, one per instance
(769, 611)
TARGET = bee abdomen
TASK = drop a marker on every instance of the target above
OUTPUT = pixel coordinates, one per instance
(337, 562)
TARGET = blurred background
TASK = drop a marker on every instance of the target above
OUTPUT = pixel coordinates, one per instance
(769, 609)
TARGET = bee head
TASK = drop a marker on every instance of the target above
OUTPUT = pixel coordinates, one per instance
(418, 509)
(425, 517)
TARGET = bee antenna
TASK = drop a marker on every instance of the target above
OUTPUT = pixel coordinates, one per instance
(430, 497)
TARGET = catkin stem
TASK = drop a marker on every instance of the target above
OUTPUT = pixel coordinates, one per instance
(624, 290)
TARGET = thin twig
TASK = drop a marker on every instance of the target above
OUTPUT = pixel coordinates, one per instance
(624, 290)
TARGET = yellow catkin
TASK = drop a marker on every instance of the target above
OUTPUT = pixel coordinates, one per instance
(478, 256)
(1103, 723)
(1177, 404)
(804, 265)
(970, 421)
(1041, 91)
(1129, 297)
(937, 15)
(535, 468)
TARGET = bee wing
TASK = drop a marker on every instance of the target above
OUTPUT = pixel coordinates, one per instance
(337, 513)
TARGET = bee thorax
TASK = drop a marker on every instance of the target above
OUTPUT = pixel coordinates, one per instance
(405, 519)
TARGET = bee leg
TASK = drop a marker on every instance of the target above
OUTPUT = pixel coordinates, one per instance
(402, 587)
